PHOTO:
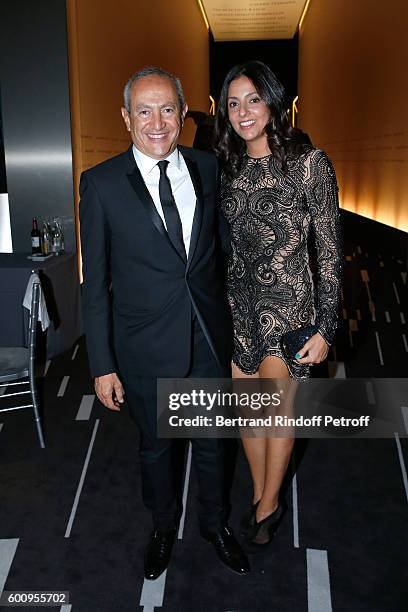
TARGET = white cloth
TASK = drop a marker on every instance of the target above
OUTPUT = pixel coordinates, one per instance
(181, 186)
(42, 307)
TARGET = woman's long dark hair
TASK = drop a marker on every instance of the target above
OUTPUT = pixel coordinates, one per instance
(283, 139)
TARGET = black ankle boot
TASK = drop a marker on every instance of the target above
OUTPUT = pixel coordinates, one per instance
(248, 520)
(260, 535)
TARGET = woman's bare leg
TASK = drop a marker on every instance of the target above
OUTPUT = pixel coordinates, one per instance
(278, 450)
(255, 449)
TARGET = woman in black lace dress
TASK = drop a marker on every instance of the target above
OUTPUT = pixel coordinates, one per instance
(275, 190)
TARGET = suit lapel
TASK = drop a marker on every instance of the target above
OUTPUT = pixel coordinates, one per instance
(144, 197)
(142, 192)
(198, 213)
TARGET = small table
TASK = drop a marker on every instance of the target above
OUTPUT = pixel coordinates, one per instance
(60, 284)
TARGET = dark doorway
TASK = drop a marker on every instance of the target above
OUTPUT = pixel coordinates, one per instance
(280, 55)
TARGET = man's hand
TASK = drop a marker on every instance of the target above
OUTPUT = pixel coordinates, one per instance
(109, 390)
(314, 351)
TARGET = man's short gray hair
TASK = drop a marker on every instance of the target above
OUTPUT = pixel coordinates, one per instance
(153, 71)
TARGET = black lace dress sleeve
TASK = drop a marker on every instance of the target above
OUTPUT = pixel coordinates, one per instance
(322, 199)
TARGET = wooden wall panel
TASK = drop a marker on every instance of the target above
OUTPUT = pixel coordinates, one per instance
(352, 100)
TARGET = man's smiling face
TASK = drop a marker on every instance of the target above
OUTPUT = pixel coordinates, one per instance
(155, 117)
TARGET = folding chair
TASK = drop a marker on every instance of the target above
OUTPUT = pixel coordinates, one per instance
(18, 363)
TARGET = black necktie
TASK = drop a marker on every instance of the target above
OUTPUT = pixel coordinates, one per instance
(171, 214)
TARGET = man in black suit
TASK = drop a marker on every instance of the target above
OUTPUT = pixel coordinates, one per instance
(153, 298)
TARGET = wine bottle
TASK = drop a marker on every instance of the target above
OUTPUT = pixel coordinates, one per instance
(35, 239)
(45, 239)
(56, 237)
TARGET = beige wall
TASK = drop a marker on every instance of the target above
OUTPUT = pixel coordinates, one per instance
(353, 92)
(111, 39)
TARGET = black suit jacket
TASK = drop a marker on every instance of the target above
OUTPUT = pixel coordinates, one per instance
(138, 293)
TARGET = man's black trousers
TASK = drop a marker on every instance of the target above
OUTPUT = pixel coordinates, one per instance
(162, 459)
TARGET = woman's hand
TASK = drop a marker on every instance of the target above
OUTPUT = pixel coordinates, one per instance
(314, 351)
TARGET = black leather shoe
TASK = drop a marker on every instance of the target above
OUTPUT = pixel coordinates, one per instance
(158, 553)
(260, 535)
(228, 550)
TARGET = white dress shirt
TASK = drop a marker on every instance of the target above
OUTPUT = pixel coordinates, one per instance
(181, 186)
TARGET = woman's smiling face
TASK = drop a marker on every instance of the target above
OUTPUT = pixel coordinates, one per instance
(247, 113)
